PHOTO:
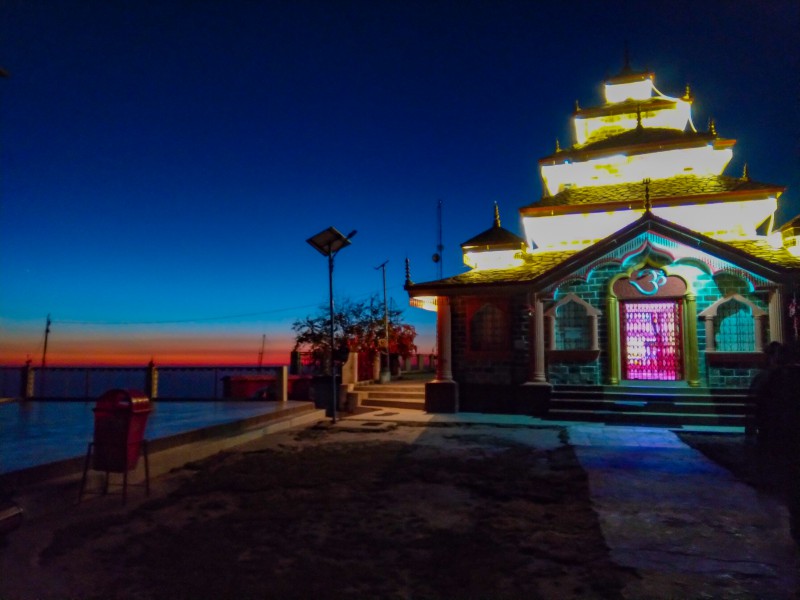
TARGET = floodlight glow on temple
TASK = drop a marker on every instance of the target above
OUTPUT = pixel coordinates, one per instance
(642, 263)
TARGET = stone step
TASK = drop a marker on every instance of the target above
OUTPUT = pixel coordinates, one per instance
(665, 405)
(386, 403)
(410, 395)
(647, 418)
(640, 405)
(667, 392)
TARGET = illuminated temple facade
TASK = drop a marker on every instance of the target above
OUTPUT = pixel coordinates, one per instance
(643, 269)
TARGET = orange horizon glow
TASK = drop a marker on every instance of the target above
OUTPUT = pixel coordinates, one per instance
(179, 350)
(273, 356)
(107, 346)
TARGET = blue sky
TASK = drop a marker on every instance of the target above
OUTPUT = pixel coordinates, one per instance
(163, 163)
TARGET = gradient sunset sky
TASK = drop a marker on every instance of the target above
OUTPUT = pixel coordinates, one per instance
(162, 163)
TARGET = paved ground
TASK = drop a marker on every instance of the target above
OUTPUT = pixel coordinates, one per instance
(687, 526)
(684, 525)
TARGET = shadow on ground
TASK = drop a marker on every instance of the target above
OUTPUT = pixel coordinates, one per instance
(471, 514)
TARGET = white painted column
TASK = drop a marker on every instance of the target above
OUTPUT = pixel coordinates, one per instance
(539, 374)
(711, 344)
(758, 322)
(551, 330)
(282, 379)
(444, 366)
(776, 316)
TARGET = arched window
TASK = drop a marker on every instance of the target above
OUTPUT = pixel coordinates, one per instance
(489, 329)
(734, 324)
(572, 324)
(734, 328)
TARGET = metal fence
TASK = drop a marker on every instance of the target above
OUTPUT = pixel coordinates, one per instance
(90, 382)
(173, 382)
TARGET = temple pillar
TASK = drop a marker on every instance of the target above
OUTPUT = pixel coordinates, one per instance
(441, 394)
(692, 351)
(614, 370)
(533, 396)
(539, 358)
(776, 324)
(551, 331)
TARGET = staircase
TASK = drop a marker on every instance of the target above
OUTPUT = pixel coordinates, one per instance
(397, 394)
(638, 405)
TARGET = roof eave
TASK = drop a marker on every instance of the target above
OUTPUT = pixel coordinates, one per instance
(657, 202)
(561, 157)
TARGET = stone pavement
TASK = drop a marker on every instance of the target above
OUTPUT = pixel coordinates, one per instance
(687, 526)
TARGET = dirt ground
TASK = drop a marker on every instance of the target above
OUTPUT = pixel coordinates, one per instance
(327, 512)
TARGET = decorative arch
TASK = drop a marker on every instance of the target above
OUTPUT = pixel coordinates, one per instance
(647, 253)
(743, 339)
(641, 287)
(579, 325)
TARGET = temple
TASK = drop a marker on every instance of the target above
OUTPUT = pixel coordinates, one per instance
(646, 277)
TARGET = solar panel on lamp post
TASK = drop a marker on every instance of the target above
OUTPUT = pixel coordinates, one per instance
(328, 243)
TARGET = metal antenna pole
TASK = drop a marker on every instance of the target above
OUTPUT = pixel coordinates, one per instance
(440, 246)
(386, 372)
(437, 256)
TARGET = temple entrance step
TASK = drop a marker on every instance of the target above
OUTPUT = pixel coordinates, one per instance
(666, 405)
(401, 394)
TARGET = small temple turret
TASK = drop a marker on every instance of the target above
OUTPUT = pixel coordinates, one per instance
(495, 248)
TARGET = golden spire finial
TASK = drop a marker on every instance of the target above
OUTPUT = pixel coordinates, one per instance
(687, 95)
(408, 272)
(558, 145)
(647, 204)
(577, 106)
(626, 68)
(745, 173)
(712, 126)
(496, 215)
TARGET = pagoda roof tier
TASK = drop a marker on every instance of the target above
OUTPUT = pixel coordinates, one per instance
(638, 141)
(689, 189)
(544, 262)
(495, 238)
(546, 268)
(629, 76)
(625, 108)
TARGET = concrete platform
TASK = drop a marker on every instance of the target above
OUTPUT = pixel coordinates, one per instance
(170, 451)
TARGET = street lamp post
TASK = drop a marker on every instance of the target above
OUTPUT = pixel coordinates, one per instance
(328, 243)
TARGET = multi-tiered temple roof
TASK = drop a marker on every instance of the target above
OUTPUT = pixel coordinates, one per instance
(638, 143)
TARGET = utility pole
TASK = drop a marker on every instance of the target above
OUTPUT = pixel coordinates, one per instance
(261, 353)
(43, 379)
(46, 335)
(386, 372)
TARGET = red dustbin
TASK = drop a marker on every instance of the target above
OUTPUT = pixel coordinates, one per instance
(120, 417)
